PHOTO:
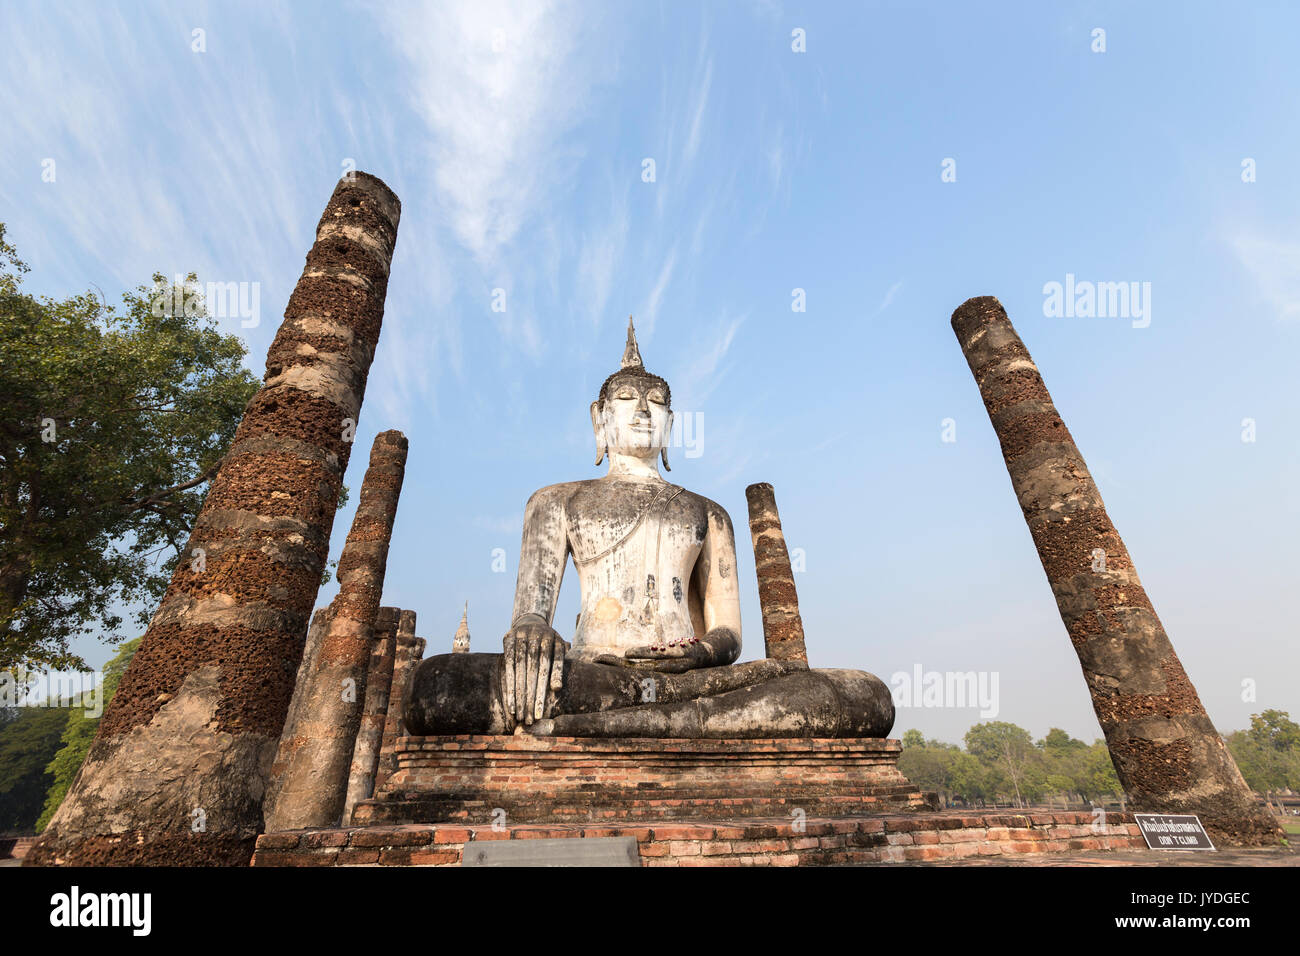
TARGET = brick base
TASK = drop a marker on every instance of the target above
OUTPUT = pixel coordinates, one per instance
(884, 838)
(472, 779)
(15, 848)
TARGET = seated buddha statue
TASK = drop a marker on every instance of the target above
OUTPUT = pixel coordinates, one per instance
(655, 647)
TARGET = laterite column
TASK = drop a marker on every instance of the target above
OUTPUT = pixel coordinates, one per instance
(379, 682)
(178, 769)
(309, 779)
(1168, 755)
(782, 625)
(409, 651)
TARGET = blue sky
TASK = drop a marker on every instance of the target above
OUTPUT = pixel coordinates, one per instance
(516, 134)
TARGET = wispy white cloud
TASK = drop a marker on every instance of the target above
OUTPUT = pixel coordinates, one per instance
(1274, 265)
(707, 367)
(776, 160)
(192, 163)
(650, 310)
(601, 255)
(697, 118)
(889, 297)
(498, 86)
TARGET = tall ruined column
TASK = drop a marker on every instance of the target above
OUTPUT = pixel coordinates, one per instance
(1168, 755)
(782, 625)
(178, 768)
(370, 735)
(409, 651)
(309, 779)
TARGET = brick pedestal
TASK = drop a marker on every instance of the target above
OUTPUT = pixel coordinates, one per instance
(523, 779)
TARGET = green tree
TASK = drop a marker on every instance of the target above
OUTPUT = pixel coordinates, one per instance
(1276, 729)
(29, 737)
(928, 764)
(1268, 754)
(1007, 749)
(1060, 764)
(111, 425)
(1097, 778)
(1059, 743)
(970, 779)
(79, 734)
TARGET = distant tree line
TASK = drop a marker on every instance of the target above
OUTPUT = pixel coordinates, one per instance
(1001, 764)
(1268, 753)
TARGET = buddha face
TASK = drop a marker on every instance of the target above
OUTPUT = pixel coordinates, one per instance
(632, 417)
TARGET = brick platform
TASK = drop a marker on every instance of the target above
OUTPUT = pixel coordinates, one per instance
(883, 838)
(15, 848)
(471, 779)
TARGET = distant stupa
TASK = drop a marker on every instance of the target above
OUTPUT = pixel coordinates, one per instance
(460, 644)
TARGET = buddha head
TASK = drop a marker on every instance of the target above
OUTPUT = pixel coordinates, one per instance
(633, 415)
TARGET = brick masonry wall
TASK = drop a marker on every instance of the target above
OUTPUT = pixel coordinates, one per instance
(887, 838)
(466, 778)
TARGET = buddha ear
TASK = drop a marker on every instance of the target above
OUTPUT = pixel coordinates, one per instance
(598, 427)
(663, 452)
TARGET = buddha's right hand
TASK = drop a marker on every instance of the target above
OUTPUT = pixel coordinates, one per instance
(532, 671)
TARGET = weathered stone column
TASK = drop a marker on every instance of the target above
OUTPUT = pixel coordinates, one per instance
(178, 769)
(320, 623)
(409, 651)
(1168, 755)
(370, 735)
(782, 625)
(309, 780)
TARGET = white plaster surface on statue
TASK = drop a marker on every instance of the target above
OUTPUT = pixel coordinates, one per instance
(656, 563)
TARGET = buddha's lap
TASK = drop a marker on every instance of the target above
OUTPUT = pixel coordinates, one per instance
(460, 693)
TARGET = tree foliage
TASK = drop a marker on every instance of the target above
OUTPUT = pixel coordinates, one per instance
(29, 737)
(1005, 750)
(1002, 764)
(113, 421)
(1268, 754)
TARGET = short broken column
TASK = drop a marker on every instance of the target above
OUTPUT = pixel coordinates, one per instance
(1167, 754)
(320, 623)
(315, 756)
(370, 735)
(178, 769)
(782, 626)
(409, 651)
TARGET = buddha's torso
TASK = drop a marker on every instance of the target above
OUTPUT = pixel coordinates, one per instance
(635, 543)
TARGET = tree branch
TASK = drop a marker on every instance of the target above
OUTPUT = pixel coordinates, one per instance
(150, 501)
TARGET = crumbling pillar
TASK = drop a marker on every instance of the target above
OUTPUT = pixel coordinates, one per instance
(179, 765)
(782, 625)
(320, 622)
(309, 779)
(1168, 755)
(409, 651)
(370, 735)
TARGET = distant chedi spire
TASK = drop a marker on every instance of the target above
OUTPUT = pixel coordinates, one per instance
(460, 643)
